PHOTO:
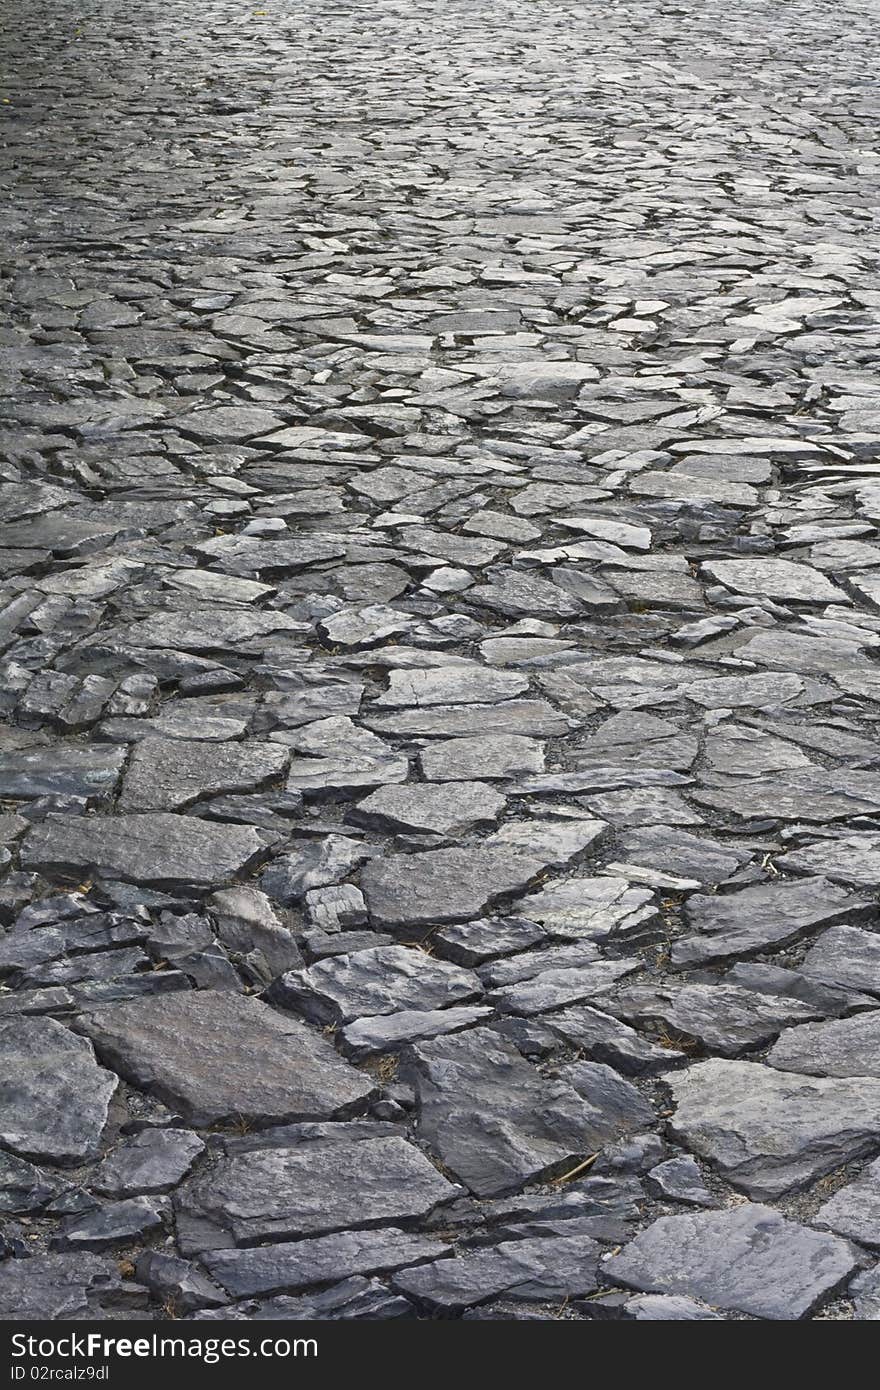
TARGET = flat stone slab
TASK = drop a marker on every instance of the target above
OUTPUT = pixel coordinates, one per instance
(158, 849)
(447, 808)
(62, 1287)
(840, 1047)
(169, 774)
(491, 1118)
(556, 842)
(605, 1039)
(501, 756)
(245, 555)
(853, 859)
(723, 1018)
(54, 1097)
(453, 686)
(390, 1032)
(845, 958)
(802, 794)
(769, 1132)
(341, 758)
(218, 1057)
(380, 980)
(447, 885)
(230, 423)
(59, 770)
(531, 1271)
(776, 579)
(153, 1161)
(768, 916)
(555, 989)
(284, 1193)
(854, 1211)
(112, 1225)
(292, 1265)
(590, 908)
(617, 1107)
(531, 718)
(748, 1259)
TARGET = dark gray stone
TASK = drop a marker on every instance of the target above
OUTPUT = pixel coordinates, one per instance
(493, 1120)
(285, 1193)
(303, 1263)
(390, 1032)
(447, 885)
(225, 1058)
(169, 774)
(153, 1161)
(377, 981)
(842, 1047)
(555, 989)
(449, 808)
(159, 849)
(111, 1225)
(680, 1180)
(769, 1132)
(537, 1271)
(762, 918)
(748, 1259)
(618, 1109)
(606, 1039)
(854, 1210)
(54, 1098)
(722, 1018)
(61, 770)
(62, 1287)
(177, 1283)
(845, 958)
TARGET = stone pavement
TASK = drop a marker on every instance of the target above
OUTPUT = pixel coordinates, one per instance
(440, 617)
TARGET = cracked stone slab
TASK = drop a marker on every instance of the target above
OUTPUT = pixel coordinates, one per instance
(340, 757)
(556, 842)
(725, 1019)
(170, 774)
(59, 770)
(749, 1259)
(777, 579)
(447, 885)
(447, 808)
(528, 718)
(839, 1047)
(845, 958)
(54, 1097)
(555, 989)
(501, 756)
(391, 1032)
(531, 1271)
(62, 1287)
(287, 1193)
(769, 1132)
(380, 980)
(494, 1121)
(765, 917)
(456, 685)
(853, 859)
(591, 908)
(157, 849)
(605, 1039)
(288, 1266)
(854, 1210)
(111, 1225)
(218, 1057)
(153, 1161)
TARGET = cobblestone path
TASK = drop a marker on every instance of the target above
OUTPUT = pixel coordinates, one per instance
(440, 614)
